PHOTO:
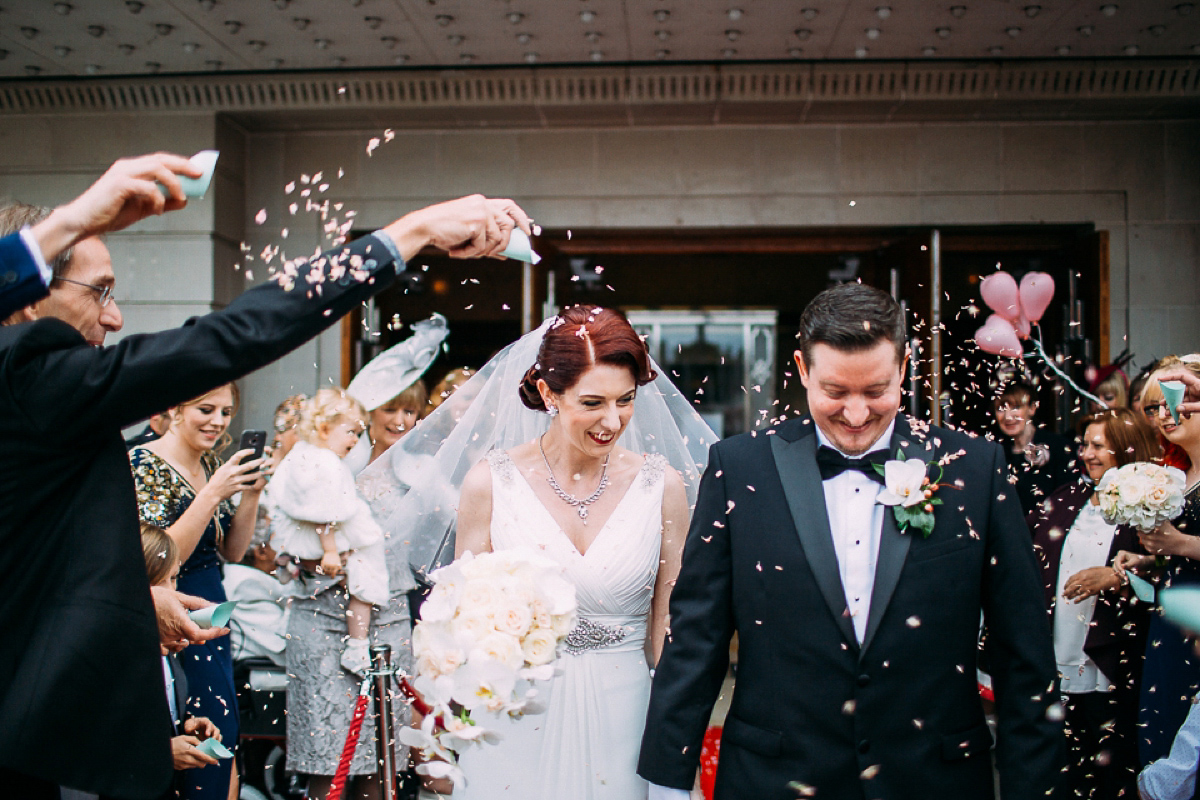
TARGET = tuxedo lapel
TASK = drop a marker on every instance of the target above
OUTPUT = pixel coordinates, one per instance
(893, 545)
(796, 462)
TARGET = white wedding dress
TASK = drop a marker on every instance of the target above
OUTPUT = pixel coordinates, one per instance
(584, 746)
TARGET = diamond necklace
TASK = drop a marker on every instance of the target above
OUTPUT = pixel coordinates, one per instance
(580, 505)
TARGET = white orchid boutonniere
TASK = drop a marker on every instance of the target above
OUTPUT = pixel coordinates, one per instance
(908, 489)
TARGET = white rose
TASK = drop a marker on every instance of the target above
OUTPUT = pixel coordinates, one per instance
(562, 624)
(513, 617)
(1132, 492)
(499, 647)
(1158, 496)
(438, 653)
(473, 624)
(480, 593)
(539, 646)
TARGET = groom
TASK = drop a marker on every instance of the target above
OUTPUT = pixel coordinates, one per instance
(857, 638)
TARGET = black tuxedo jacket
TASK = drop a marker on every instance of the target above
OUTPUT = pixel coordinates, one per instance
(82, 696)
(898, 716)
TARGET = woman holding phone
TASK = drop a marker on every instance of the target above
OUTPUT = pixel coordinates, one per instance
(183, 487)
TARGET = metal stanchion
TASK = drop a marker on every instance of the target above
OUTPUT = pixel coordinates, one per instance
(383, 672)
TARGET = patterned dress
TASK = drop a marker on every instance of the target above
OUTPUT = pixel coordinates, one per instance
(162, 496)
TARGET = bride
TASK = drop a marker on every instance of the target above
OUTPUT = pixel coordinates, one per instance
(591, 460)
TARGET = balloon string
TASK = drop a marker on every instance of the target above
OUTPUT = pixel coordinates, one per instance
(1037, 342)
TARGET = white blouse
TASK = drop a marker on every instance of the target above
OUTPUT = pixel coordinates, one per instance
(1087, 545)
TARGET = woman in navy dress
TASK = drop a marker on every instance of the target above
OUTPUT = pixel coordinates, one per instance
(183, 487)
(1171, 673)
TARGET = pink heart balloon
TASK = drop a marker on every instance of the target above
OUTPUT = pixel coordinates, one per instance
(998, 337)
(1023, 327)
(1037, 290)
(1000, 292)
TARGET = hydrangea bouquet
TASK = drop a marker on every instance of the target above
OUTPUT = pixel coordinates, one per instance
(489, 629)
(1141, 494)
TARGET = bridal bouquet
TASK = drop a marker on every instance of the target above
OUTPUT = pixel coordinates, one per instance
(1141, 494)
(489, 629)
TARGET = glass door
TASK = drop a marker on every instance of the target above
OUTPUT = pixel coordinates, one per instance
(723, 361)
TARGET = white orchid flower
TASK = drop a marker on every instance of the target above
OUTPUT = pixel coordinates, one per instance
(443, 769)
(903, 482)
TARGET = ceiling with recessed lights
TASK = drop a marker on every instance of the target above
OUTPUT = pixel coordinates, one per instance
(41, 38)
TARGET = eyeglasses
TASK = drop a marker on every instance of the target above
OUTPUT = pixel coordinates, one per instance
(105, 291)
(1151, 409)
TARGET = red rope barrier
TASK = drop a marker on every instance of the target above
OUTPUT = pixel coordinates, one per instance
(343, 769)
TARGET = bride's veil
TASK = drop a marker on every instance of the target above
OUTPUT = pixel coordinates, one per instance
(413, 488)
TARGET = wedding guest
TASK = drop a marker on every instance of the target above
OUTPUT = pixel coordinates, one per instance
(1171, 672)
(390, 387)
(1099, 627)
(1111, 385)
(183, 487)
(156, 426)
(187, 731)
(447, 386)
(1174, 777)
(73, 492)
(285, 421)
(1135, 391)
(1038, 461)
(1152, 403)
(319, 514)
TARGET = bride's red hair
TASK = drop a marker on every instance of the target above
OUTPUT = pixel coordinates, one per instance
(581, 337)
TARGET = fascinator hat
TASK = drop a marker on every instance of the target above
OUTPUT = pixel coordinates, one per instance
(391, 372)
(395, 369)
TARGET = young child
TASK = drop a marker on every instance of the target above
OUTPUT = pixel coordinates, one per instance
(162, 567)
(318, 513)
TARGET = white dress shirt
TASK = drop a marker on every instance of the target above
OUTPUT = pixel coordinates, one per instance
(855, 521)
(1087, 545)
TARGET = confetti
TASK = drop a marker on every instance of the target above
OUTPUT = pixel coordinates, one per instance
(261, 216)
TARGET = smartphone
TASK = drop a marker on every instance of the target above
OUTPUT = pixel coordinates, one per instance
(253, 440)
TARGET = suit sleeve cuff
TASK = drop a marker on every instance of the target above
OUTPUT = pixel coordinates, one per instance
(667, 793)
(390, 246)
(35, 252)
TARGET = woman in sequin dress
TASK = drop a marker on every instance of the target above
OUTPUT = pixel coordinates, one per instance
(183, 487)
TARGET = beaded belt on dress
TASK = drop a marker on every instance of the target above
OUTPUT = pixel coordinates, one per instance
(588, 634)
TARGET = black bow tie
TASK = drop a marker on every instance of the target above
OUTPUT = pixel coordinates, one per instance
(832, 463)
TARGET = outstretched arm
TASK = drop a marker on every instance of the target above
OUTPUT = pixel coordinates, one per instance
(140, 375)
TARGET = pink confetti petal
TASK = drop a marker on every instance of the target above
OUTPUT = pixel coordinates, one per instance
(261, 216)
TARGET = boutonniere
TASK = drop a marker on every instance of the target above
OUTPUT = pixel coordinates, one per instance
(908, 489)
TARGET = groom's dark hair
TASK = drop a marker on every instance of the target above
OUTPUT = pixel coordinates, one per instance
(852, 317)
